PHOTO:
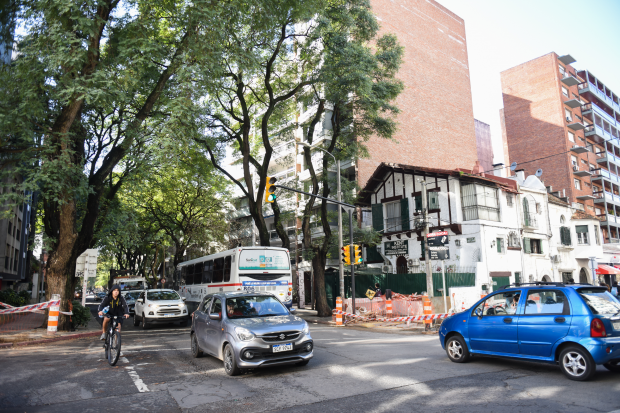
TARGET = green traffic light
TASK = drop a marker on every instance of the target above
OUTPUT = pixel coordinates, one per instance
(272, 197)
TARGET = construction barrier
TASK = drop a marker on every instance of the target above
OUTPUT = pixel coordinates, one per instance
(28, 308)
(52, 320)
(425, 317)
(401, 306)
(27, 317)
(428, 309)
(339, 308)
(388, 307)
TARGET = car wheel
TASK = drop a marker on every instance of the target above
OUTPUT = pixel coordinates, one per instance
(577, 363)
(230, 364)
(135, 320)
(196, 351)
(303, 363)
(613, 366)
(457, 349)
(144, 323)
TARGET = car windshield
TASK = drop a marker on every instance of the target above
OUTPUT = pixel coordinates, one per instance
(600, 301)
(133, 295)
(500, 304)
(162, 295)
(254, 306)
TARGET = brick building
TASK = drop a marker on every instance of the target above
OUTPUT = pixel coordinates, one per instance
(436, 123)
(570, 118)
(484, 144)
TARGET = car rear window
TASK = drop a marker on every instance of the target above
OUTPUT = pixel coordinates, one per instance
(599, 300)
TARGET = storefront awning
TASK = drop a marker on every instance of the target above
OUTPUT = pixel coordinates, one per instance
(607, 269)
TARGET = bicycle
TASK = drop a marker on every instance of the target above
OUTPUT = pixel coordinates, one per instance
(112, 343)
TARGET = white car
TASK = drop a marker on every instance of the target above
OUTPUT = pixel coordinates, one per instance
(160, 306)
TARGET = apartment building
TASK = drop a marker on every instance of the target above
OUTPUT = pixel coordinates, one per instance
(484, 144)
(568, 120)
(505, 230)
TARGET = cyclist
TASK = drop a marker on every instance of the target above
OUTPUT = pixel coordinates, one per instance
(117, 307)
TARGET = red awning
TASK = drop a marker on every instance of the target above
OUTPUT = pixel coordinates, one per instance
(606, 269)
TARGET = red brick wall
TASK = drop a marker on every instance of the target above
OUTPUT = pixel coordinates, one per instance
(536, 125)
(436, 123)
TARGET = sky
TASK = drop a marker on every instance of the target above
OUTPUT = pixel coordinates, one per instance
(505, 33)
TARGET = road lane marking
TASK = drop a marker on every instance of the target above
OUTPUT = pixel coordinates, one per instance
(142, 388)
(155, 349)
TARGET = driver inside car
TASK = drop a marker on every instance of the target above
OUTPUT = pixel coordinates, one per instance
(231, 310)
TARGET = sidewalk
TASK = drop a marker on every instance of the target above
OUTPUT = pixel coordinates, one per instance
(40, 336)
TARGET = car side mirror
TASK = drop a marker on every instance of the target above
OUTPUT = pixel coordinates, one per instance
(292, 310)
(478, 312)
(184, 298)
(215, 316)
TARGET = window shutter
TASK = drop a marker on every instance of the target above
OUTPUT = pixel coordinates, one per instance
(526, 246)
(540, 243)
(433, 200)
(418, 202)
(581, 229)
(377, 217)
(499, 244)
(404, 213)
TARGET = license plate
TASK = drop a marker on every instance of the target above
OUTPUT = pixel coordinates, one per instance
(282, 347)
(616, 325)
(169, 315)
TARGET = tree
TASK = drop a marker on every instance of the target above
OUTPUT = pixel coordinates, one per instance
(93, 82)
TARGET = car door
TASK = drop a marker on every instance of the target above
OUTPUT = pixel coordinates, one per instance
(496, 329)
(546, 318)
(201, 321)
(214, 327)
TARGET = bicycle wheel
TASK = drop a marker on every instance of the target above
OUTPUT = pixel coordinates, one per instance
(115, 348)
(106, 345)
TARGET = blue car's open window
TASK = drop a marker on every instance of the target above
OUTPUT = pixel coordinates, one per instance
(546, 302)
(502, 303)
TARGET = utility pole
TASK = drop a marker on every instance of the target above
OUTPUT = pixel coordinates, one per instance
(427, 255)
(352, 252)
(340, 263)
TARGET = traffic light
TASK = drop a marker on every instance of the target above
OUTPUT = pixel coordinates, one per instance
(270, 189)
(346, 255)
(357, 250)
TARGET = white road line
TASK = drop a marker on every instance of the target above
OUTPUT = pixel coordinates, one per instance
(134, 376)
(157, 349)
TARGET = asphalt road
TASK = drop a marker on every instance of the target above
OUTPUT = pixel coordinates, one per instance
(353, 370)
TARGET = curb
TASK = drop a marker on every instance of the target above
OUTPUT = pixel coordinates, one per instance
(50, 340)
(319, 321)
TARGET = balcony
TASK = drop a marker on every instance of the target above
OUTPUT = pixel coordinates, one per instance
(574, 124)
(567, 59)
(591, 92)
(579, 149)
(529, 221)
(602, 173)
(586, 197)
(580, 172)
(597, 133)
(606, 196)
(569, 79)
(609, 219)
(572, 103)
(290, 231)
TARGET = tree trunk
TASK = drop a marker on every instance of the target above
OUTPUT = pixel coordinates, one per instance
(318, 264)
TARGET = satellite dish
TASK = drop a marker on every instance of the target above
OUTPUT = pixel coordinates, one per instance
(513, 166)
(538, 172)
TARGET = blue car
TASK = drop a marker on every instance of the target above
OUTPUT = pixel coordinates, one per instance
(576, 326)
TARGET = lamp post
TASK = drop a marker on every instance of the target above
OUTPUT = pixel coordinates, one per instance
(340, 243)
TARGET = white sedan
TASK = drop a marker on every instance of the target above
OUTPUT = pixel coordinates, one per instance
(160, 306)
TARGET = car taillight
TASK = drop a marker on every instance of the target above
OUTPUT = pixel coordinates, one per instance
(597, 328)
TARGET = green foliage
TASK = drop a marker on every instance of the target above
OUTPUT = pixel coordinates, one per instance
(15, 299)
(81, 315)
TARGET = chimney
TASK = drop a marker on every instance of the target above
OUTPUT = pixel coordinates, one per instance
(520, 175)
(498, 169)
(477, 169)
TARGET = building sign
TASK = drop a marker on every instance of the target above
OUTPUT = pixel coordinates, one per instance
(438, 245)
(396, 247)
(471, 240)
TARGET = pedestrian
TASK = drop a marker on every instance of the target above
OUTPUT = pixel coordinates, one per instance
(377, 290)
(606, 286)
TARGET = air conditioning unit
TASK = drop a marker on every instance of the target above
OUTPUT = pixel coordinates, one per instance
(413, 262)
(457, 242)
(387, 269)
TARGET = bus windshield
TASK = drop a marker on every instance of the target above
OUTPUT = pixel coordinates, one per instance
(258, 259)
(254, 306)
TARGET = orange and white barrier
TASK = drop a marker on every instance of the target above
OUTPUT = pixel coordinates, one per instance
(28, 308)
(428, 308)
(52, 320)
(339, 309)
(425, 318)
(388, 307)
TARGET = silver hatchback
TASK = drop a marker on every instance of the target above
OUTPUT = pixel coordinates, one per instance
(248, 331)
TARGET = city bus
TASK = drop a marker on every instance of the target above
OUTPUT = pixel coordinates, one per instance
(249, 269)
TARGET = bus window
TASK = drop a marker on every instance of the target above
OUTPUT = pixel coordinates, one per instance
(207, 272)
(183, 275)
(227, 268)
(218, 270)
(189, 279)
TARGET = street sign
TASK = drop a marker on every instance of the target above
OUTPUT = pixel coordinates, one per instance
(396, 247)
(370, 294)
(437, 243)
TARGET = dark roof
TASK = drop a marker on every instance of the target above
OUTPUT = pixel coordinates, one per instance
(557, 201)
(380, 175)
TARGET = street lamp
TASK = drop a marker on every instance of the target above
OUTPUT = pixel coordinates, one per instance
(340, 244)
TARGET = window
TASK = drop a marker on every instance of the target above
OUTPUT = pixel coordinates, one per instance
(218, 270)
(597, 210)
(571, 136)
(509, 200)
(433, 200)
(499, 304)
(207, 272)
(596, 236)
(577, 183)
(569, 115)
(10, 228)
(562, 70)
(513, 240)
(392, 213)
(499, 244)
(189, 275)
(216, 307)
(227, 268)
(562, 219)
(583, 161)
(479, 202)
(582, 234)
(549, 302)
(573, 160)
(564, 91)
(565, 236)
(206, 302)
(532, 246)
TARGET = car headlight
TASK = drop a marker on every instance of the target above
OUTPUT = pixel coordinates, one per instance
(244, 334)
(182, 305)
(155, 306)
(306, 329)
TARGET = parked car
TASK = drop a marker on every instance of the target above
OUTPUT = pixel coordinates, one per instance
(160, 306)
(130, 299)
(100, 296)
(576, 326)
(249, 330)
